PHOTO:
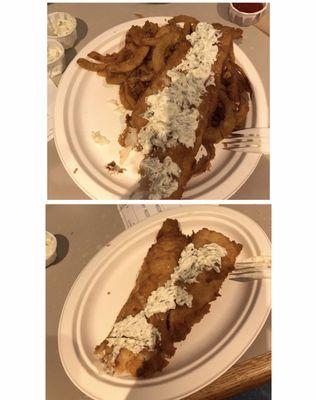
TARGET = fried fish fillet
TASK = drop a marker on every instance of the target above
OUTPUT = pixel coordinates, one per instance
(207, 288)
(174, 324)
(158, 264)
(184, 157)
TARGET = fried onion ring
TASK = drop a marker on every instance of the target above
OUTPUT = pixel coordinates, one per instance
(112, 78)
(127, 101)
(137, 35)
(187, 28)
(129, 95)
(241, 113)
(163, 30)
(90, 66)
(131, 63)
(108, 59)
(184, 18)
(226, 126)
(160, 50)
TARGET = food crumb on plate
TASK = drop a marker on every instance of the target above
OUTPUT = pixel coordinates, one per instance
(118, 105)
(114, 101)
(75, 170)
(99, 139)
(113, 168)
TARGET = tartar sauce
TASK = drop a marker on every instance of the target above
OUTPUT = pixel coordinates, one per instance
(53, 53)
(62, 28)
(50, 245)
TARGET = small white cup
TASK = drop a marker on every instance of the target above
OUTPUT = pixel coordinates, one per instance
(245, 19)
(57, 65)
(70, 38)
(51, 248)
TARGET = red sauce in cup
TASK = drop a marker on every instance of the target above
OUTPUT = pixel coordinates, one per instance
(248, 8)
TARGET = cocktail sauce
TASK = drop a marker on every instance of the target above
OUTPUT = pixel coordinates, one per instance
(248, 8)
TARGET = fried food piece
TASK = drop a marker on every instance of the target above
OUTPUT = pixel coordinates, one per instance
(150, 28)
(131, 63)
(136, 121)
(90, 66)
(185, 157)
(165, 42)
(187, 28)
(157, 267)
(162, 31)
(149, 41)
(137, 34)
(113, 168)
(112, 78)
(242, 111)
(233, 105)
(176, 322)
(185, 19)
(226, 125)
(125, 96)
(107, 59)
(134, 35)
(207, 288)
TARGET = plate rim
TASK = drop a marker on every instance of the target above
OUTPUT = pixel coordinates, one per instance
(71, 162)
(151, 221)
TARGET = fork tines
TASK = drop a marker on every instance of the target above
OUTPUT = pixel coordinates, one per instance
(253, 141)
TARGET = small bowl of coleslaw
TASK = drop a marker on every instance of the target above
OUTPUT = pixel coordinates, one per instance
(55, 58)
(62, 27)
(51, 248)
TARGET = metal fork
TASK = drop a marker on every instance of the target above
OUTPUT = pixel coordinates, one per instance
(258, 267)
(252, 140)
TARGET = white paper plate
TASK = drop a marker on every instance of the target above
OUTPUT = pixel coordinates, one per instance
(84, 105)
(51, 98)
(213, 345)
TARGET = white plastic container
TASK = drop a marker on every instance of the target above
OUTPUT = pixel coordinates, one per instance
(55, 58)
(62, 26)
(51, 248)
(244, 18)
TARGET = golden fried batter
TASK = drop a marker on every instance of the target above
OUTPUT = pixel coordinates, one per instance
(175, 324)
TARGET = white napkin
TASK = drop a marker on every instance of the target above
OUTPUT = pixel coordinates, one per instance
(131, 215)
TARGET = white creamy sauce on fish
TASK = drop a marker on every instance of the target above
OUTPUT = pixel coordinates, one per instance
(194, 261)
(161, 176)
(135, 333)
(166, 298)
(172, 113)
